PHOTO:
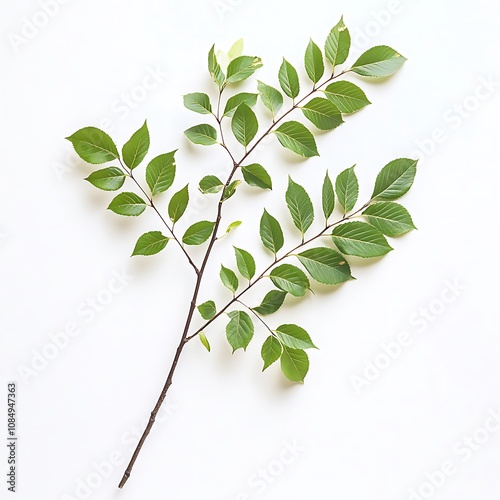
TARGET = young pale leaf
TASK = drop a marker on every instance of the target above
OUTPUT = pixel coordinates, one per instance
(203, 134)
(204, 341)
(378, 62)
(271, 302)
(236, 49)
(328, 196)
(233, 225)
(245, 263)
(233, 102)
(395, 179)
(289, 79)
(346, 96)
(271, 233)
(229, 279)
(360, 239)
(150, 243)
(207, 310)
(338, 44)
(178, 204)
(290, 279)
(107, 179)
(347, 188)
(313, 61)
(271, 351)
(294, 337)
(271, 98)
(128, 204)
(198, 233)
(242, 67)
(93, 145)
(325, 265)
(322, 113)
(257, 176)
(300, 206)
(244, 124)
(239, 330)
(296, 137)
(390, 218)
(211, 184)
(294, 364)
(160, 173)
(136, 148)
(198, 102)
(230, 190)
(215, 69)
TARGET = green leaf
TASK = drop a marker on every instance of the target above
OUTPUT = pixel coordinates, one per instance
(360, 239)
(378, 62)
(198, 233)
(128, 204)
(178, 204)
(271, 302)
(271, 351)
(347, 188)
(207, 310)
(160, 173)
(230, 190)
(395, 179)
(233, 102)
(390, 218)
(338, 43)
(290, 279)
(294, 337)
(346, 96)
(315, 67)
(215, 69)
(244, 124)
(325, 265)
(229, 279)
(289, 79)
(271, 233)
(300, 206)
(294, 364)
(136, 148)
(245, 263)
(93, 145)
(204, 341)
(328, 196)
(239, 330)
(236, 49)
(271, 97)
(203, 134)
(211, 184)
(322, 113)
(107, 179)
(296, 137)
(242, 67)
(233, 225)
(150, 243)
(198, 102)
(257, 176)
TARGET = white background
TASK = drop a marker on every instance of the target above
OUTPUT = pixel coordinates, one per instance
(227, 422)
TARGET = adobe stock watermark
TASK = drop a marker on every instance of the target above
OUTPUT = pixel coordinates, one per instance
(463, 450)
(86, 312)
(260, 480)
(455, 116)
(224, 7)
(419, 322)
(120, 109)
(33, 24)
(103, 469)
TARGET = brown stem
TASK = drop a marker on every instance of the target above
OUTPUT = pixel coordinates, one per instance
(200, 272)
